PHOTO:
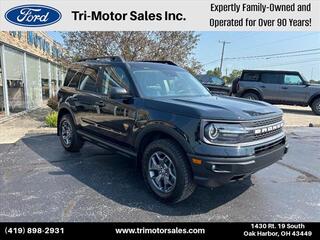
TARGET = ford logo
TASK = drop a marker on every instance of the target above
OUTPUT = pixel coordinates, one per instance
(33, 15)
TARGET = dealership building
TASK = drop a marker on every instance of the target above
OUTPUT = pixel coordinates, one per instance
(31, 70)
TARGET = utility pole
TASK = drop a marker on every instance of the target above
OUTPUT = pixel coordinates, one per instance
(222, 54)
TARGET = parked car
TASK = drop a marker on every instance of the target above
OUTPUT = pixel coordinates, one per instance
(214, 84)
(278, 87)
(178, 133)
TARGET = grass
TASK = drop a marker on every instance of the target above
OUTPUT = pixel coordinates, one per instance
(52, 119)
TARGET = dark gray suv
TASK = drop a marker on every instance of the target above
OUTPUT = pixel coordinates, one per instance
(278, 87)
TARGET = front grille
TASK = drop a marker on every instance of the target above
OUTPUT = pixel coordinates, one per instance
(264, 122)
(270, 146)
(266, 135)
(262, 129)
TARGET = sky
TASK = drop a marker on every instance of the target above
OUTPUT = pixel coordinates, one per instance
(247, 44)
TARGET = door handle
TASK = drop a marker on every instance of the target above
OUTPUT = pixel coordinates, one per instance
(263, 86)
(284, 87)
(100, 103)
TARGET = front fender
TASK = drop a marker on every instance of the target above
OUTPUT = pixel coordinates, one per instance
(314, 96)
(166, 128)
(63, 109)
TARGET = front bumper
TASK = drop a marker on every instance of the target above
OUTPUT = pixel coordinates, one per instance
(217, 171)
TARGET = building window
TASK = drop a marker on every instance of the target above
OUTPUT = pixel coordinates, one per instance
(2, 105)
(13, 33)
(15, 80)
(35, 40)
(30, 38)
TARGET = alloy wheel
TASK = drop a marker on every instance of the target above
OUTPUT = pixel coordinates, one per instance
(162, 172)
(66, 132)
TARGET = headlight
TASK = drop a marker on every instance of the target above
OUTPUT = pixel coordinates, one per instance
(220, 133)
(210, 132)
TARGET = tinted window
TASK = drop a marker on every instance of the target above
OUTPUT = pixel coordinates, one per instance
(69, 76)
(272, 78)
(250, 77)
(75, 80)
(89, 80)
(292, 79)
(113, 76)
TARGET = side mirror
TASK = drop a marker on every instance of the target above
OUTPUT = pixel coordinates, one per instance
(119, 93)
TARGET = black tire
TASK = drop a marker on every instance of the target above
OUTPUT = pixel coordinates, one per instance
(251, 96)
(315, 106)
(184, 185)
(76, 142)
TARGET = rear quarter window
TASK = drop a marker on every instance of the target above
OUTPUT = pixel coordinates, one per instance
(254, 77)
(69, 76)
(75, 80)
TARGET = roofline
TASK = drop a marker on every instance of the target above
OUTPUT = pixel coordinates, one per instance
(281, 71)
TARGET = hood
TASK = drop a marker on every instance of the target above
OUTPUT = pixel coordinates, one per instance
(215, 107)
(317, 86)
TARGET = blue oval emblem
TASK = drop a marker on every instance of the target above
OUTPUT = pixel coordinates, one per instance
(33, 15)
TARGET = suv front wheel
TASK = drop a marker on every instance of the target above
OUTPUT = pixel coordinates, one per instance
(315, 106)
(251, 96)
(69, 138)
(166, 171)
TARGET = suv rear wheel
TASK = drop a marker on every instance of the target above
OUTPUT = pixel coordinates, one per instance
(315, 106)
(69, 138)
(251, 96)
(166, 171)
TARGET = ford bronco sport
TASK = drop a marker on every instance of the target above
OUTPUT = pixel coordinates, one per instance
(279, 87)
(178, 133)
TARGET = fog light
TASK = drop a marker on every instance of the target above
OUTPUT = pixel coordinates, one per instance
(213, 167)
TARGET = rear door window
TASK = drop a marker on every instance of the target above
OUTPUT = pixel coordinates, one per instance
(272, 78)
(89, 80)
(251, 77)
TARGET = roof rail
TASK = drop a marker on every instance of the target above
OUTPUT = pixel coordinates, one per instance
(104, 58)
(164, 62)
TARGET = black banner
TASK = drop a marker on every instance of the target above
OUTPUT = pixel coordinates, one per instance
(279, 230)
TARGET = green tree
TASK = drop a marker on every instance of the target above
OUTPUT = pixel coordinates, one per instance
(215, 72)
(232, 76)
(135, 45)
(235, 74)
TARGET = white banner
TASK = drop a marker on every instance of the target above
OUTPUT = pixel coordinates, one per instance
(214, 15)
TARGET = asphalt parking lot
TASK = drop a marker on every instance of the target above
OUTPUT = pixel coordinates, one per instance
(39, 181)
(296, 116)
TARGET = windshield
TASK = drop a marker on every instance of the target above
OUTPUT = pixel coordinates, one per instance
(216, 81)
(161, 80)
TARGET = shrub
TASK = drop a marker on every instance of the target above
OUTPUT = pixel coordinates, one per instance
(53, 103)
(52, 119)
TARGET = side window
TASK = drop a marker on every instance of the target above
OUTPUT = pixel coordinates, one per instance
(272, 78)
(76, 79)
(69, 76)
(113, 76)
(292, 80)
(250, 77)
(89, 80)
